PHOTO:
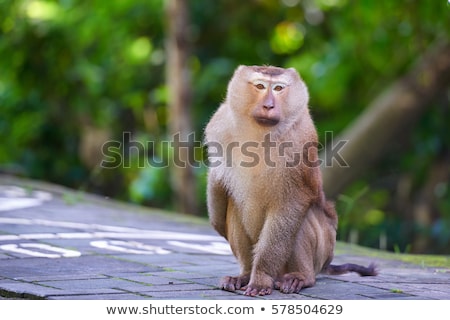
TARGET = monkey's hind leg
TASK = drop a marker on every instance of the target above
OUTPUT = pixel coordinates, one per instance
(241, 246)
(300, 273)
(314, 249)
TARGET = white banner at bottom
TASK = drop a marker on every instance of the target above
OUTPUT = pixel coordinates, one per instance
(222, 309)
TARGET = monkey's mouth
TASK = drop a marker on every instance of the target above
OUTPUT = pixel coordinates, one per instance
(267, 121)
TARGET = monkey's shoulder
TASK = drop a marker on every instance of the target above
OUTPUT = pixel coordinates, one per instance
(219, 122)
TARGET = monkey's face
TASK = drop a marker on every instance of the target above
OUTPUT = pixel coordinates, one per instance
(268, 95)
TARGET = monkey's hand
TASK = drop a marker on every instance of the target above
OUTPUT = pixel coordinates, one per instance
(234, 283)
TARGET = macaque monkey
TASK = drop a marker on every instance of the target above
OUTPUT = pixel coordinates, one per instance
(264, 191)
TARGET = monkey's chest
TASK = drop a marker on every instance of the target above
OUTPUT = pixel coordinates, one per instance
(251, 184)
(253, 193)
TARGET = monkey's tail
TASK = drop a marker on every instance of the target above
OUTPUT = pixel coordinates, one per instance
(333, 269)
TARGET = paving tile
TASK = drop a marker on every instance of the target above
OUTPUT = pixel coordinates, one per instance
(108, 296)
(183, 273)
(34, 291)
(150, 279)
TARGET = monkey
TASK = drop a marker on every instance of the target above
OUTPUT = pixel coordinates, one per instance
(264, 185)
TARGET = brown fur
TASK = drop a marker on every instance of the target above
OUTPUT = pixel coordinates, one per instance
(273, 212)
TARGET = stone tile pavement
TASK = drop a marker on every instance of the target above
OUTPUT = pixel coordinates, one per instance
(59, 244)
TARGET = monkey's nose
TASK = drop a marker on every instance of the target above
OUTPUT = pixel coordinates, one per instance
(269, 101)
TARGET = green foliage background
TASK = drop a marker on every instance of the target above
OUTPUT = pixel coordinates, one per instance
(69, 65)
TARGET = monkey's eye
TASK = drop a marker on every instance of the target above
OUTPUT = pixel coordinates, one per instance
(260, 86)
(278, 87)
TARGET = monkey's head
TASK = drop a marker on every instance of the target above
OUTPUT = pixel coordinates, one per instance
(267, 95)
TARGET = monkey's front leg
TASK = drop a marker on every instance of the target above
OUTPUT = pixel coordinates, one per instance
(217, 201)
(275, 245)
(242, 249)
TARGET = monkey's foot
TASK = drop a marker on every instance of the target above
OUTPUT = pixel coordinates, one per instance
(261, 284)
(234, 283)
(255, 290)
(292, 283)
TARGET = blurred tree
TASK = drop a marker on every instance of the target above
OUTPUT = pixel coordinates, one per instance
(75, 74)
(180, 121)
(393, 113)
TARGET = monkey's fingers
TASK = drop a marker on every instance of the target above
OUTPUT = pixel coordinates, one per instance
(293, 286)
(292, 283)
(234, 283)
(242, 281)
(228, 283)
(252, 292)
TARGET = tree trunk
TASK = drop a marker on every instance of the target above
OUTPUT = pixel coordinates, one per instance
(180, 121)
(392, 113)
